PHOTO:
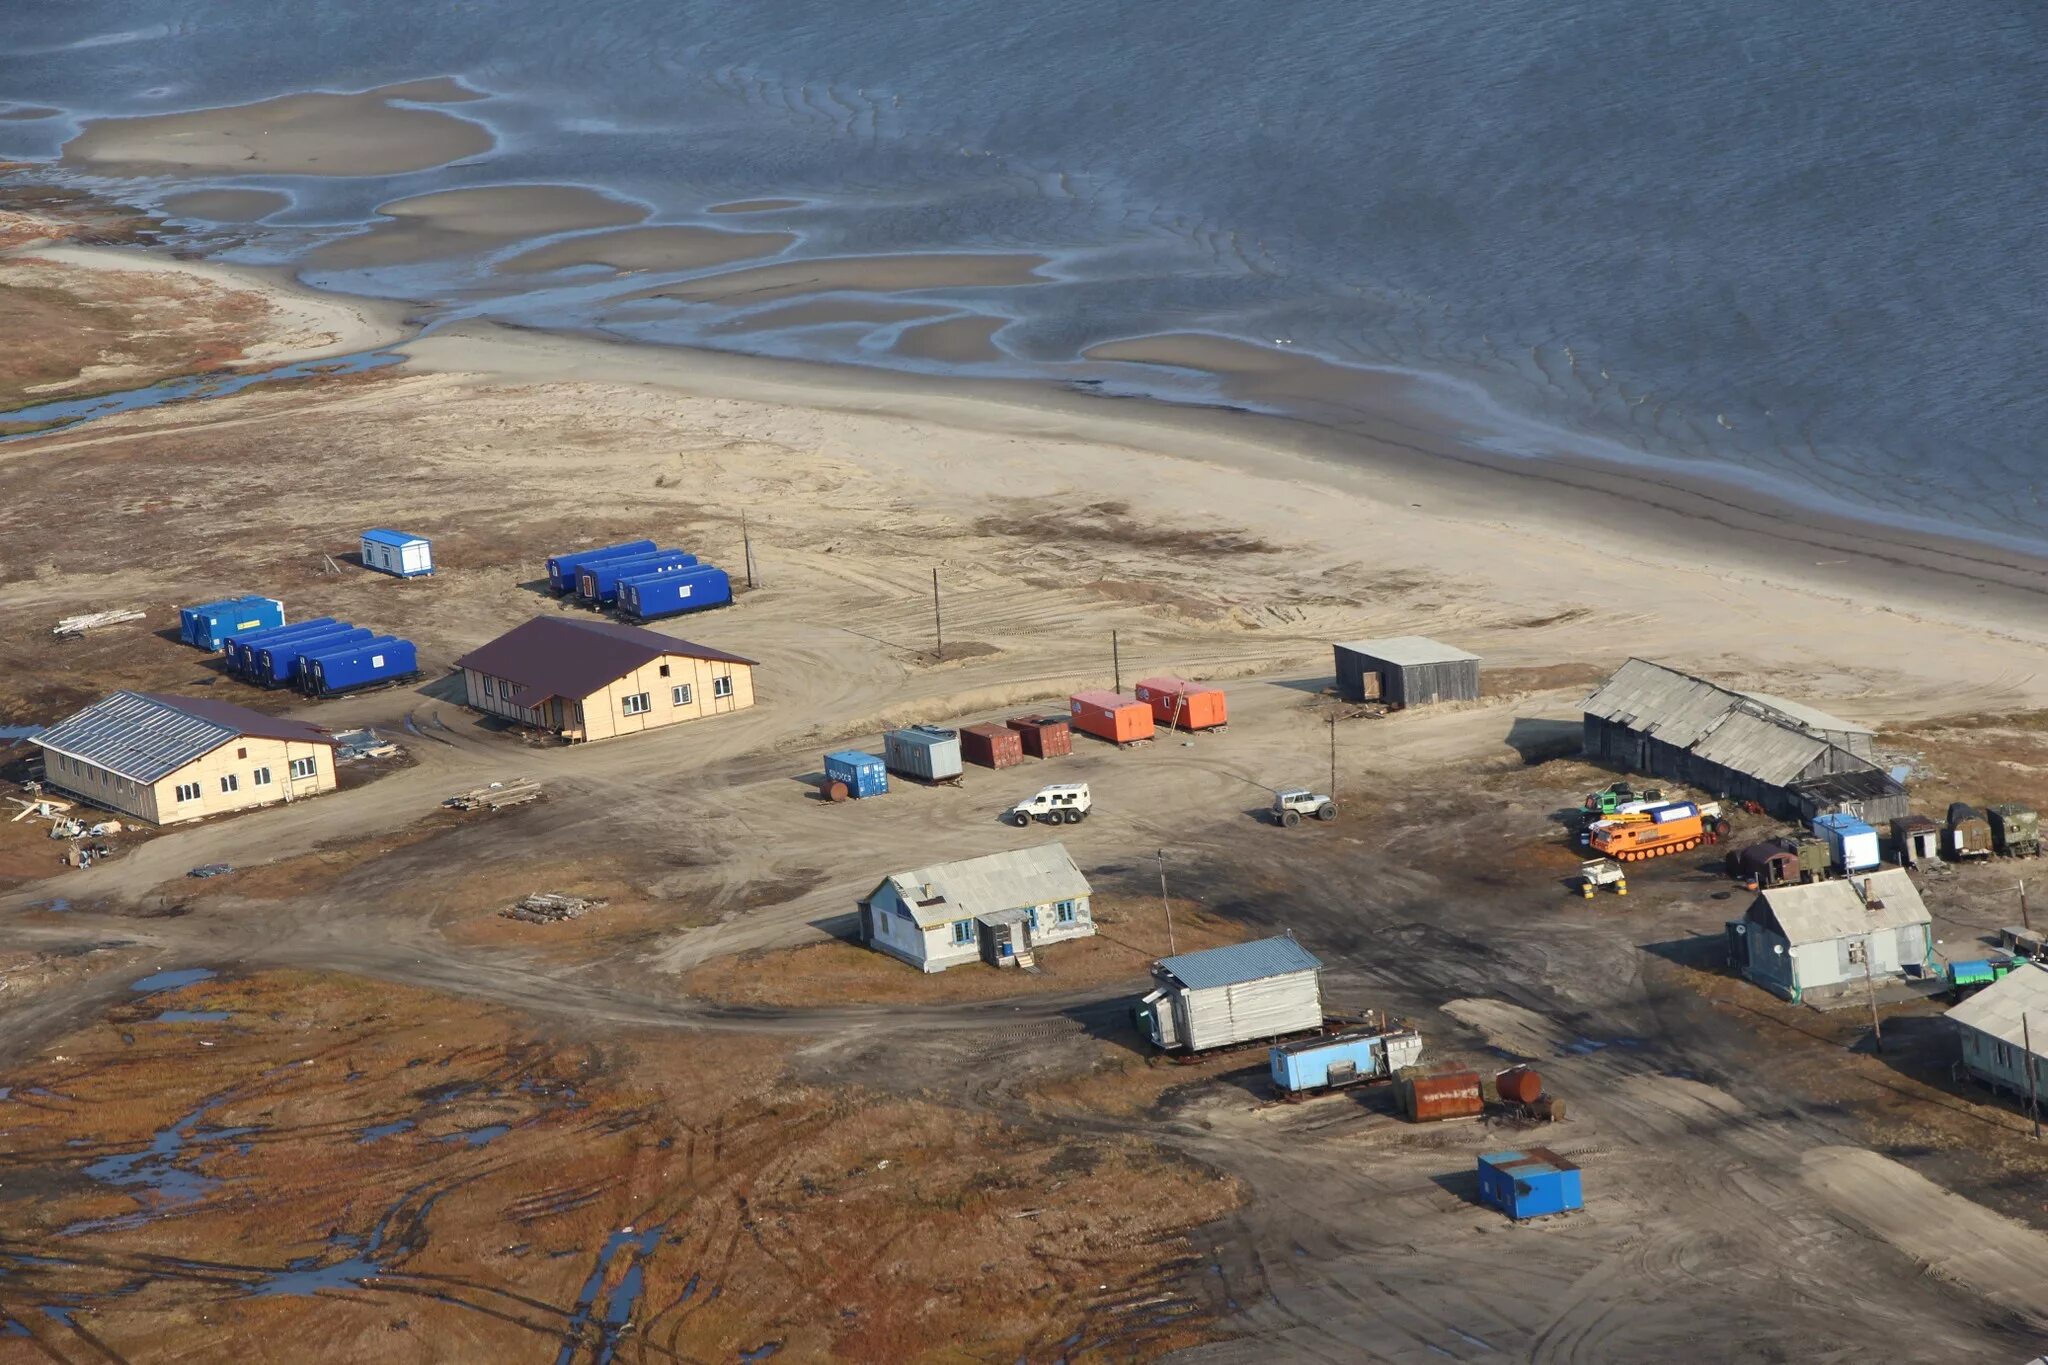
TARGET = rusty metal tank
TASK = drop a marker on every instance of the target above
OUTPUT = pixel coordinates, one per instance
(1966, 834)
(1448, 1095)
(1519, 1085)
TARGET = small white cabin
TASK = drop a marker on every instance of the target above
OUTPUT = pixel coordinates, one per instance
(999, 909)
(397, 553)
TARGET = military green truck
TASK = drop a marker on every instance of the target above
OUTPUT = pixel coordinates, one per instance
(2015, 831)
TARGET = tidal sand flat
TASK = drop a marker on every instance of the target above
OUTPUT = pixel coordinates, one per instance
(311, 134)
(27, 112)
(860, 274)
(457, 223)
(757, 205)
(653, 248)
(1267, 376)
(954, 341)
(226, 206)
(829, 313)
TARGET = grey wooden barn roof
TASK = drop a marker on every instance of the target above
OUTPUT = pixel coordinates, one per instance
(1767, 737)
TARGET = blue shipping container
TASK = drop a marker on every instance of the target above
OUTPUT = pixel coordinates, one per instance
(358, 665)
(212, 624)
(1530, 1184)
(562, 569)
(242, 649)
(277, 663)
(863, 774)
(1852, 845)
(599, 581)
(668, 594)
(1342, 1059)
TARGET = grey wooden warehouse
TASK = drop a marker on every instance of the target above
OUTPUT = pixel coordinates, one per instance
(1406, 670)
(1750, 746)
(1870, 794)
(1267, 988)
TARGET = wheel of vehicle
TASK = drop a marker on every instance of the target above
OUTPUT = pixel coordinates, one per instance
(1023, 819)
(1072, 817)
(1291, 819)
(1327, 811)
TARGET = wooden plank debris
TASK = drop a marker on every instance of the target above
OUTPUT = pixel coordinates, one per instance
(516, 791)
(550, 908)
(93, 620)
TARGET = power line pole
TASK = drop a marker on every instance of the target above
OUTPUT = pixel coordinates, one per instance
(1116, 662)
(2025, 923)
(1172, 950)
(938, 625)
(747, 549)
(1333, 755)
(1870, 988)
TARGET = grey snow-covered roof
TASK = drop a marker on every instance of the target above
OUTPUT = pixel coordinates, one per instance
(1767, 737)
(1406, 651)
(1820, 912)
(989, 885)
(1997, 1008)
(144, 737)
(1239, 962)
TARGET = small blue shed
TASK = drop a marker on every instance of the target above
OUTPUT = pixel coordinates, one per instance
(362, 663)
(213, 624)
(398, 553)
(863, 774)
(669, 594)
(1530, 1184)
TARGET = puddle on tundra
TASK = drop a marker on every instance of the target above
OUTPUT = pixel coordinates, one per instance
(159, 1175)
(47, 417)
(172, 979)
(478, 1137)
(384, 1130)
(193, 1016)
(618, 1305)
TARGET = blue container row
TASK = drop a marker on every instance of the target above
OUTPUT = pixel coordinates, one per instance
(641, 579)
(671, 594)
(563, 569)
(598, 581)
(321, 657)
(213, 624)
(863, 774)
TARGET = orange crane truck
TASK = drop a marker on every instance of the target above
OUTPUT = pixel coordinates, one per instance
(1672, 828)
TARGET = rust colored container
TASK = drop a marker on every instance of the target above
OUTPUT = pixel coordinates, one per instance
(1451, 1095)
(1519, 1085)
(1111, 716)
(1179, 704)
(992, 746)
(1044, 736)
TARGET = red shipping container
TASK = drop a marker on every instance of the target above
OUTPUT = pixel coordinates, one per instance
(1111, 716)
(1176, 702)
(1044, 736)
(1452, 1095)
(992, 746)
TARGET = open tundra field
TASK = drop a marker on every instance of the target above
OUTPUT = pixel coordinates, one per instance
(368, 1117)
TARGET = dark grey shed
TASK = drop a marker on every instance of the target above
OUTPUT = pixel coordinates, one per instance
(1406, 670)
(1870, 794)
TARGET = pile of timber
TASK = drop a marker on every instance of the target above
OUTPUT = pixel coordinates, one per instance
(93, 620)
(517, 791)
(549, 908)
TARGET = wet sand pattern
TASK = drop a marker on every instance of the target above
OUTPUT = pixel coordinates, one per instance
(227, 206)
(312, 134)
(455, 223)
(955, 341)
(653, 248)
(861, 274)
(757, 205)
(1267, 376)
(829, 313)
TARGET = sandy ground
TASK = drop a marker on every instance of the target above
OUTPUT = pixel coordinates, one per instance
(1711, 1124)
(313, 134)
(424, 227)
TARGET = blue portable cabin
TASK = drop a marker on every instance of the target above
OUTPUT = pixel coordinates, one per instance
(361, 663)
(863, 774)
(1342, 1059)
(212, 624)
(671, 594)
(398, 553)
(241, 650)
(1530, 1183)
(1852, 845)
(277, 664)
(599, 580)
(562, 569)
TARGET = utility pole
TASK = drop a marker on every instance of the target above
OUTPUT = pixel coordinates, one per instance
(1333, 755)
(1172, 950)
(2027, 1060)
(747, 549)
(1116, 662)
(938, 625)
(2025, 923)
(1870, 988)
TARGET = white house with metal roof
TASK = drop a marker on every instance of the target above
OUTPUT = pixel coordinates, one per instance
(1653, 719)
(1268, 988)
(1823, 940)
(166, 760)
(997, 909)
(2004, 1030)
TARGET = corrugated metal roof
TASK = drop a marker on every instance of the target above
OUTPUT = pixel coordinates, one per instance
(1997, 1008)
(1240, 962)
(395, 538)
(1865, 784)
(1748, 732)
(1819, 912)
(990, 884)
(144, 736)
(561, 656)
(1406, 651)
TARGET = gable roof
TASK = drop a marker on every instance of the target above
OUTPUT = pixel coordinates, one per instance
(1406, 651)
(1767, 737)
(1997, 1008)
(1239, 962)
(1820, 912)
(562, 656)
(146, 736)
(989, 885)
